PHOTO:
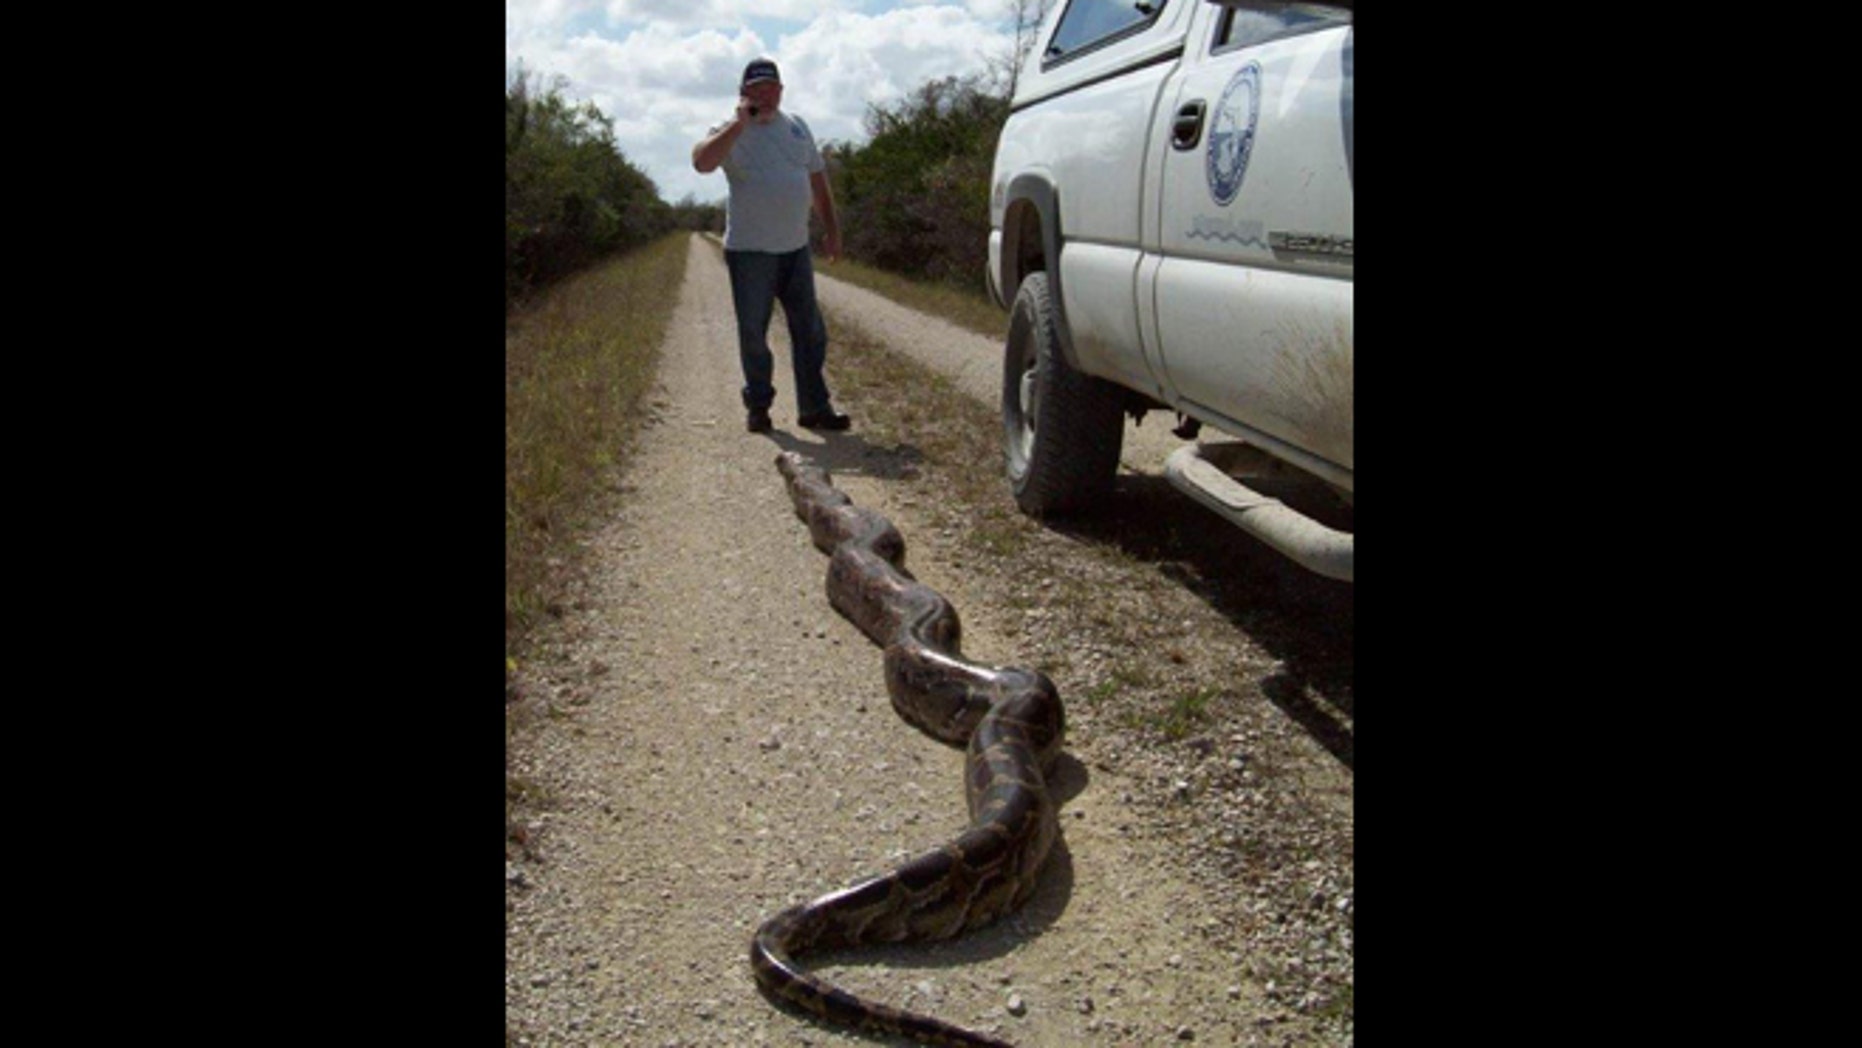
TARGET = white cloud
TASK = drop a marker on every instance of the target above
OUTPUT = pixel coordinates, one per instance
(981, 10)
(665, 81)
(539, 18)
(840, 62)
(659, 61)
(717, 12)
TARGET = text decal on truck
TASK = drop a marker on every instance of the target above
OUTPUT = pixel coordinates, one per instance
(1231, 139)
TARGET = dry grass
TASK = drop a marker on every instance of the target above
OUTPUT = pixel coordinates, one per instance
(903, 403)
(575, 364)
(970, 309)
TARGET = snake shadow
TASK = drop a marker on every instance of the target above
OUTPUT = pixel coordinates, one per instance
(1051, 895)
(1304, 620)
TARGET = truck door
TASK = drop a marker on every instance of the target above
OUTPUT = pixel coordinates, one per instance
(1250, 256)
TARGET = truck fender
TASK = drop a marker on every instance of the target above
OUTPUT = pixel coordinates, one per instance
(1039, 201)
(1344, 108)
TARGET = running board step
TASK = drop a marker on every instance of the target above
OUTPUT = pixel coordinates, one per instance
(1304, 540)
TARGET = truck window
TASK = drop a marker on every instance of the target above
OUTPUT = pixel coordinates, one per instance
(1088, 23)
(1247, 26)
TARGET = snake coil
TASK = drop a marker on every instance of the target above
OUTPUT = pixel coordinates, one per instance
(1008, 719)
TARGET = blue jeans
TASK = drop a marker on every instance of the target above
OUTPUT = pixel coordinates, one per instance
(760, 279)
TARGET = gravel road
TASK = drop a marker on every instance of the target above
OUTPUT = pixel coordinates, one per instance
(706, 742)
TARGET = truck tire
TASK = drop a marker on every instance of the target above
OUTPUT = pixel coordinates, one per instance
(1061, 429)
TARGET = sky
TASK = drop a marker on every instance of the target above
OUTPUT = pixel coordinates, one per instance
(666, 71)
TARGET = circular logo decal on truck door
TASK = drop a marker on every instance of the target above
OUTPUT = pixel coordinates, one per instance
(1231, 133)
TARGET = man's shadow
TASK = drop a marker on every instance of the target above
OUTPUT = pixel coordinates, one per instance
(850, 454)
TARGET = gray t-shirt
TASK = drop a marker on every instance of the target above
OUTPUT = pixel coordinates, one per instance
(768, 169)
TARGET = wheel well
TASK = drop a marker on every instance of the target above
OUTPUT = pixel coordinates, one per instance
(1031, 239)
(1026, 251)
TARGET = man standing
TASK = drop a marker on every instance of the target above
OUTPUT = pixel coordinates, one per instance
(775, 172)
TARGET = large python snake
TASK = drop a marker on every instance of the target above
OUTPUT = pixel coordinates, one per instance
(1011, 723)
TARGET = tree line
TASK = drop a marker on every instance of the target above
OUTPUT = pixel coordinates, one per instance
(914, 199)
(571, 197)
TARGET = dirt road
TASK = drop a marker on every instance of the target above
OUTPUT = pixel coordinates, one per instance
(703, 742)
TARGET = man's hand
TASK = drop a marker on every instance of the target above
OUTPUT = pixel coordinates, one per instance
(830, 245)
(750, 110)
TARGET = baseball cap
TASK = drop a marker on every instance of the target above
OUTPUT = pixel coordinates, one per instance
(761, 69)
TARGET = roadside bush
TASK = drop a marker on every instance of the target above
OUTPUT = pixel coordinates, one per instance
(915, 198)
(570, 197)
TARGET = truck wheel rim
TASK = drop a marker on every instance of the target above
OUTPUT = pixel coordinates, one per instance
(1028, 407)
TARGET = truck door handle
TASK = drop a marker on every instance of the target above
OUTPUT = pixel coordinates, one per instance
(1187, 129)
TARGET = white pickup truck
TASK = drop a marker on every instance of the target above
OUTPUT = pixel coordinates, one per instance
(1171, 228)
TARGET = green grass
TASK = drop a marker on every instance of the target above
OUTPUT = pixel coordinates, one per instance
(1000, 535)
(576, 362)
(1124, 679)
(1177, 719)
(1186, 713)
(1339, 1005)
(970, 309)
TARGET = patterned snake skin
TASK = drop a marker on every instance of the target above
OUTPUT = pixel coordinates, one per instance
(1009, 720)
